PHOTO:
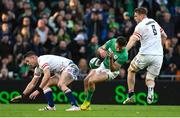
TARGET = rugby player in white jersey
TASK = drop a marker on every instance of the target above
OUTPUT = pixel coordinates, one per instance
(64, 72)
(150, 54)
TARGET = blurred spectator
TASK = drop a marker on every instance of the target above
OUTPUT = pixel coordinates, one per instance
(26, 24)
(52, 23)
(92, 47)
(61, 50)
(96, 22)
(83, 68)
(20, 47)
(27, 11)
(36, 45)
(63, 36)
(61, 5)
(168, 25)
(127, 25)
(23, 70)
(4, 73)
(78, 48)
(41, 9)
(42, 30)
(5, 46)
(51, 42)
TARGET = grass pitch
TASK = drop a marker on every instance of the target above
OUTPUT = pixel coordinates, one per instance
(30, 110)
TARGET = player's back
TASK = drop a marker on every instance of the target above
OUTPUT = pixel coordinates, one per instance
(150, 39)
(55, 63)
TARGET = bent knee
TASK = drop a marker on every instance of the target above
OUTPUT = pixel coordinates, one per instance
(133, 68)
(150, 77)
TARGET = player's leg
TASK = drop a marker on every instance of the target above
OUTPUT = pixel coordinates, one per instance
(66, 77)
(150, 85)
(48, 94)
(137, 63)
(152, 72)
(100, 75)
(97, 77)
(91, 88)
(86, 81)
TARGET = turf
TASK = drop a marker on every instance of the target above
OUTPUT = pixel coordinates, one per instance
(30, 110)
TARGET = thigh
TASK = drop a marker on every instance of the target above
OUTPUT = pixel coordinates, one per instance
(106, 72)
(65, 78)
(98, 77)
(72, 70)
(155, 66)
(139, 62)
(53, 80)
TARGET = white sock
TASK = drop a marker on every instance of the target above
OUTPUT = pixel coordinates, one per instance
(150, 90)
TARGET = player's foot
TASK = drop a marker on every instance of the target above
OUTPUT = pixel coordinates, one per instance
(150, 98)
(47, 108)
(85, 106)
(130, 100)
(73, 108)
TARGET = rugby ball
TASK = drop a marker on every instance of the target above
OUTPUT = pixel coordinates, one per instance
(94, 63)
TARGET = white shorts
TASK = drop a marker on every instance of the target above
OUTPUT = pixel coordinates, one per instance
(111, 75)
(152, 62)
(73, 70)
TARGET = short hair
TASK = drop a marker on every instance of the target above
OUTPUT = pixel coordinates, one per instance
(141, 10)
(121, 41)
(29, 53)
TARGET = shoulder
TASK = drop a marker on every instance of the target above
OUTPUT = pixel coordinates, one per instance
(124, 54)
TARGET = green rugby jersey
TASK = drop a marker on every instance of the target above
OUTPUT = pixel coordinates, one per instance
(120, 57)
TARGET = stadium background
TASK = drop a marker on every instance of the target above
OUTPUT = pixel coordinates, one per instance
(75, 30)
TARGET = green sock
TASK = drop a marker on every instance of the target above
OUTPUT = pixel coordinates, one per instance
(89, 95)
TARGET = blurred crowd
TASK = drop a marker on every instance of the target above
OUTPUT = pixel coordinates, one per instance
(76, 28)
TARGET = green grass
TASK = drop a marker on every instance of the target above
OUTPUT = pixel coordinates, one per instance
(30, 110)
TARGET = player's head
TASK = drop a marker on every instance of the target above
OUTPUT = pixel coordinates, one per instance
(31, 58)
(140, 14)
(120, 43)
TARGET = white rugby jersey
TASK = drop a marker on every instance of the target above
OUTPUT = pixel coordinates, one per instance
(54, 63)
(148, 32)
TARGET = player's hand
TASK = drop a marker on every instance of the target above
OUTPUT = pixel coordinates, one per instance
(102, 52)
(17, 99)
(110, 54)
(34, 94)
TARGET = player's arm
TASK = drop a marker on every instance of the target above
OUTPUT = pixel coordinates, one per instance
(163, 36)
(43, 83)
(132, 41)
(113, 64)
(31, 86)
(102, 51)
(27, 90)
(46, 77)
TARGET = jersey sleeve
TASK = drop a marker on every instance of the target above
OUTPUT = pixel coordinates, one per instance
(37, 72)
(138, 32)
(43, 64)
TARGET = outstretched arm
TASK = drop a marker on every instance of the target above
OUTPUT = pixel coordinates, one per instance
(102, 51)
(44, 81)
(163, 36)
(27, 90)
(133, 39)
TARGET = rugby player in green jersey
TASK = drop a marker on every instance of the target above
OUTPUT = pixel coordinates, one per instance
(115, 55)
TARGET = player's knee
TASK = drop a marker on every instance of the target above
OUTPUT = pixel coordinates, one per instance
(60, 85)
(86, 81)
(90, 81)
(150, 77)
(132, 68)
